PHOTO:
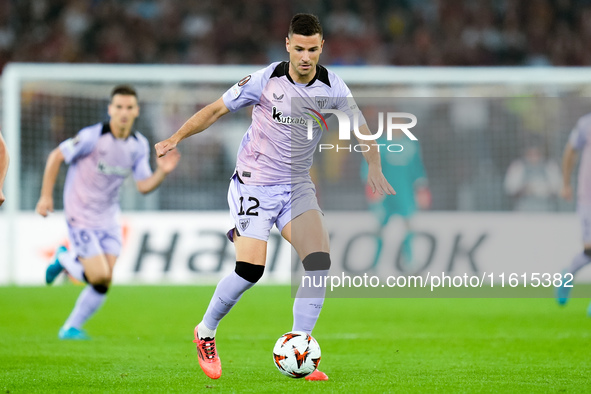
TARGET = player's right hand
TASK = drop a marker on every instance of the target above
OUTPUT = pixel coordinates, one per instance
(44, 206)
(163, 147)
(168, 162)
(2, 198)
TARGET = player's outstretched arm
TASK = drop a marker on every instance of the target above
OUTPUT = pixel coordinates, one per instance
(568, 163)
(196, 124)
(52, 169)
(4, 160)
(165, 164)
(375, 178)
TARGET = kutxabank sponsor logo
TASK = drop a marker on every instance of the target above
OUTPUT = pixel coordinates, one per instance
(279, 118)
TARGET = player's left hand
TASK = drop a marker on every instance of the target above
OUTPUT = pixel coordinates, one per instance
(378, 183)
(168, 162)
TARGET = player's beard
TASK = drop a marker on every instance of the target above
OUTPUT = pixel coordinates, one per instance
(123, 128)
(303, 73)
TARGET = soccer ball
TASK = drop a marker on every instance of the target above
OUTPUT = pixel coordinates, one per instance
(296, 354)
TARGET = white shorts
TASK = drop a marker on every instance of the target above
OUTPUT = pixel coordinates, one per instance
(256, 208)
(88, 243)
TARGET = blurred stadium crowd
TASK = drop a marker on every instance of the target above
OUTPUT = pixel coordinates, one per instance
(375, 32)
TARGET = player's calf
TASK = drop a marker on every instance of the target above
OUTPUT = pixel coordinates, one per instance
(226, 295)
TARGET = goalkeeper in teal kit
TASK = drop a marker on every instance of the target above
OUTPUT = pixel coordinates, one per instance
(406, 169)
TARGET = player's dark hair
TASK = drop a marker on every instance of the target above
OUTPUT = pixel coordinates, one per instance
(305, 25)
(125, 90)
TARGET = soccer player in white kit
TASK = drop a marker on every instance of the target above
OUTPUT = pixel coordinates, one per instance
(272, 185)
(100, 157)
(579, 142)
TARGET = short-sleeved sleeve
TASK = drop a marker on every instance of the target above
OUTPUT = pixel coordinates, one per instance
(81, 144)
(578, 136)
(141, 167)
(248, 90)
(345, 102)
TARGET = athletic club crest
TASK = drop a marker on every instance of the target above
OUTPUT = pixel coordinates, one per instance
(321, 102)
(244, 223)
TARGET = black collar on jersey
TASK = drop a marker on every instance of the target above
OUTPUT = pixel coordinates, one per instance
(107, 129)
(282, 69)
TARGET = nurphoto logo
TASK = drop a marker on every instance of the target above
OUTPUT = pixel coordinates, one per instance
(392, 123)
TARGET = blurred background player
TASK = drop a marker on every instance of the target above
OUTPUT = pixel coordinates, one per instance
(579, 141)
(272, 185)
(533, 181)
(406, 169)
(4, 159)
(100, 157)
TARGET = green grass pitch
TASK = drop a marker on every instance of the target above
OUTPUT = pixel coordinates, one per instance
(142, 342)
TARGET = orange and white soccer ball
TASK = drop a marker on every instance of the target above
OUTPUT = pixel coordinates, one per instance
(296, 354)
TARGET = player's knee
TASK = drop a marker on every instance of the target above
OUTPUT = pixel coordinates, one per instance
(249, 272)
(102, 279)
(587, 252)
(317, 261)
(101, 289)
